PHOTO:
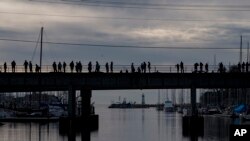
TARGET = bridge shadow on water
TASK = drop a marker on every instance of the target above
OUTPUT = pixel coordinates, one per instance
(77, 128)
(73, 132)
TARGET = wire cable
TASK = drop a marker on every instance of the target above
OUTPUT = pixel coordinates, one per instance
(124, 46)
(122, 18)
(212, 9)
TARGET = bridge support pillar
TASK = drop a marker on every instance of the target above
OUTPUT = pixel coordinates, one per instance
(193, 102)
(71, 103)
(86, 102)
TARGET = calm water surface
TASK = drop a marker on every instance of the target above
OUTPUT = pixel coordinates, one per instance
(120, 125)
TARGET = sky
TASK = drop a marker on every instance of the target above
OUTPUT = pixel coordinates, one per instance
(157, 23)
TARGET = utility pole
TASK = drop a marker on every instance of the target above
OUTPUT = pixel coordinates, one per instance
(214, 62)
(41, 50)
(241, 49)
(247, 51)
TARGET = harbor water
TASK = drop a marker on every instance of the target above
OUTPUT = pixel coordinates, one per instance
(121, 125)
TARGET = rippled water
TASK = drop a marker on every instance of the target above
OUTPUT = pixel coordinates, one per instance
(120, 125)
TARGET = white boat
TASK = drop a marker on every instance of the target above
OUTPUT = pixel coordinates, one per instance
(56, 111)
(168, 106)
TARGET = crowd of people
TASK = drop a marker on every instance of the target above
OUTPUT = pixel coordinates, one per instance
(109, 67)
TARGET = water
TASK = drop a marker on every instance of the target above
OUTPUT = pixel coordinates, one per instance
(120, 125)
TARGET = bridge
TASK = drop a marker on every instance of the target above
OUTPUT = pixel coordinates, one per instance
(86, 82)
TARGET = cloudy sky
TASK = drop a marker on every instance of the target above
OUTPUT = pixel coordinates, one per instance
(157, 23)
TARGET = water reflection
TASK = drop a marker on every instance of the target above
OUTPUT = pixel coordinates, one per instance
(122, 125)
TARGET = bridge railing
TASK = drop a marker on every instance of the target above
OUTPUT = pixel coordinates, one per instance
(116, 68)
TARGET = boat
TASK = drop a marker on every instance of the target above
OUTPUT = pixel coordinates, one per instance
(168, 106)
(56, 111)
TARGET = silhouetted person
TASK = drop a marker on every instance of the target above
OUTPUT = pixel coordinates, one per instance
(25, 66)
(196, 67)
(247, 65)
(5, 67)
(239, 67)
(221, 67)
(126, 71)
(206, 67)
(132, 68)
(139, 70)
(80, 66)
(59, 67)
(54, 66)
(107, 67)
(149, 67)
(72, 65)
(37, 69)
(182, 67)
(144, 67)
(13, 65)
(111, 67)
(201, 67)
(90, 67)
(243, 66)
(177, 67)
(97, 67)
(30, 66)
(64, 67)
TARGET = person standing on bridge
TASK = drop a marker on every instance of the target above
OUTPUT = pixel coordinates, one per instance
(59, 67)
(30, 66)
(97, 67)
(196, 67)
(177, 67)
(90, 67)
(206, 67)
(72, 65)
(64, 67)
(54, 67)
(5, 67)
(149, 67)
(37, 69)
(182, 67)
(13, 64)
(80, 66)
(201, 67)
(111, 67)
(243, 67)
(145, 67)
(221, 67)
(132, 68)
(25, 66)
(77, 67)
(107, 67)
(239, 67)
(139, 70)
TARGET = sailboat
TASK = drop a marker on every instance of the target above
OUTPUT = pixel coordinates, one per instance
(168, 105)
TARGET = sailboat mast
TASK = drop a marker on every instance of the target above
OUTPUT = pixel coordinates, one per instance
(41, 50)
(241, 49)
(159, 96)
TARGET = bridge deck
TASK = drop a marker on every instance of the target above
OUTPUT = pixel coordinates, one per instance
(26, 82)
